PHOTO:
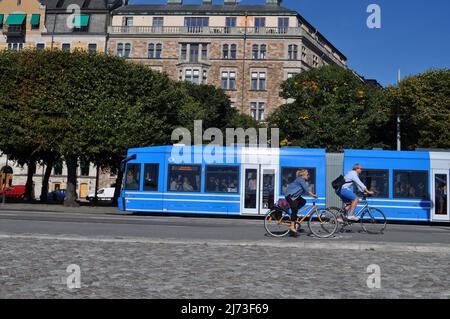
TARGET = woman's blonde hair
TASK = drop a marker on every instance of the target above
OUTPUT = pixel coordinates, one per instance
(302, 172)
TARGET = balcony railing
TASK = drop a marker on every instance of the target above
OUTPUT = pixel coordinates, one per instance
(14, 30)
(219, 31)
(204, 30)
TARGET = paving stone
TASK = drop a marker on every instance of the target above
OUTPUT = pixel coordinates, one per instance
(36, 268)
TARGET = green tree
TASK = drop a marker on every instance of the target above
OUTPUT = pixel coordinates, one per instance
(331, 107)
(423, 102)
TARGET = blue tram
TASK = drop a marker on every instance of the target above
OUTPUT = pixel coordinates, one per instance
(212, 180)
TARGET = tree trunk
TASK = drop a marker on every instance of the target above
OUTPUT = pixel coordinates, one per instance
(118, 186)
(29, 189)
(71, 190)
(45, 180)
(96, 184)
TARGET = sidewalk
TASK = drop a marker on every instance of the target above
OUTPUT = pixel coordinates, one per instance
(59, 208)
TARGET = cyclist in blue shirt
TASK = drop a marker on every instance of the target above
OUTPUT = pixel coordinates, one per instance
(293, 195)
(347, 194)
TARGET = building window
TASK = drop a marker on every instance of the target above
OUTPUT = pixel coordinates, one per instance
(66, 47)
(184, 178)
(92, 48)
(259, 23)
(154, 51)
(196, 24)
(283, 25)
(230, 22)
(123, 50)
(222, 179)
(226, 51)
(233, 51)
(288, 175)
(158, 22)
(133, 177)
(229, 51)
(293, 52)
(258, 81)
(229, 80)
(194, 52)
(127, 21)
(315, 61)
(303, 53)
(192, 75)
(57, 168)
(262, 51)
(204, 51)
(410, 184)
(377, 181)
(259, 52)
(183, 54)
(151, 177)
(84, 168)
(257, 110)
(35, 21)
(40, 46)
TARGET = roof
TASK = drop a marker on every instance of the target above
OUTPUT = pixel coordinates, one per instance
(203, 9)
(83, 4)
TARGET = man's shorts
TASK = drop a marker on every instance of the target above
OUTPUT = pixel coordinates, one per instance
(346, 195)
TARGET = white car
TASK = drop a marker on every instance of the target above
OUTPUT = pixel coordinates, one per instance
(103, 194)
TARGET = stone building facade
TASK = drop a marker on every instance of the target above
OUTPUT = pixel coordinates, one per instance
(78, 24)
(248, 50)
(21, 23)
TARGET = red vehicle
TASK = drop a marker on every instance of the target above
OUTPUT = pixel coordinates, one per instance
(14, 191)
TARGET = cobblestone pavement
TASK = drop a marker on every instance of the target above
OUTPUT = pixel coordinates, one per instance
(36, 268)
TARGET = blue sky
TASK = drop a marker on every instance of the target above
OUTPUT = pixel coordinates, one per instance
(414, 37)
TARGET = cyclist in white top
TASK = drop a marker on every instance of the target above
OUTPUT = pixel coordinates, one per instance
(346, 192)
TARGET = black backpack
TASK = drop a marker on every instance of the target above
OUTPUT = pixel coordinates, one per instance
(338, 182)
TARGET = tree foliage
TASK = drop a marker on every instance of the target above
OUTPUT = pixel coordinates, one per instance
(94, 107)
(331, 108)
(423, 102)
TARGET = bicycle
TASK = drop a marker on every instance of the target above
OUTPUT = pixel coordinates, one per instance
(321, 223)
(372, 220)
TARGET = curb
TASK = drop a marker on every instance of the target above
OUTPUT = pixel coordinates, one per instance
(345, 245)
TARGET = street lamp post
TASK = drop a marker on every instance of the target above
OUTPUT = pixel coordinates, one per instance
(5, 183)
(399, 138)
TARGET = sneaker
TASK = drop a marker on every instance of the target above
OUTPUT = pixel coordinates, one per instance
(353, 218)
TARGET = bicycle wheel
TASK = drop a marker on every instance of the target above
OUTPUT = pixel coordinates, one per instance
(324, 224)
(277, 223)
(340, 216)
(373, 221)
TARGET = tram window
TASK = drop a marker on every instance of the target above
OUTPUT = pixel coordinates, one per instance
(222, 179)
(288, 175)
(377, 181)
(410, 184)
(133, 177)
(184, 178)
(151, 177)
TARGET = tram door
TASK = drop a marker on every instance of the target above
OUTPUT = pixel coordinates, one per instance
(439, 187)
(259, 185)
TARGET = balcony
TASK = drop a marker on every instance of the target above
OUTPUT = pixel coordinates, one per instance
(14, 31)
(210, 31)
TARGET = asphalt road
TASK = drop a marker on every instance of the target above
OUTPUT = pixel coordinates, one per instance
(191, 228)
